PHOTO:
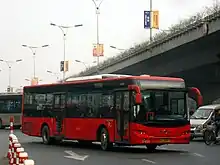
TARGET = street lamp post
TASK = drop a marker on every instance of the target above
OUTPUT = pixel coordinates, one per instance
(33, 50)
(97, 8)
(114, 47)
(64, 30)
(85, 64)
(53, 73)
(151, 30)
(9, 64)
(82, 63)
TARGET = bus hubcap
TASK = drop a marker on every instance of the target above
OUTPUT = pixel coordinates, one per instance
(45, 136)
(104, 140)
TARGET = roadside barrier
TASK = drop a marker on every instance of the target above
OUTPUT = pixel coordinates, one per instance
(16, 154)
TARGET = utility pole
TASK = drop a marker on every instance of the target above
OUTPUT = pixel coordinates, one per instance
(97, 7)
(151, 28)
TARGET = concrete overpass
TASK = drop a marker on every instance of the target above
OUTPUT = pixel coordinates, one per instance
(192, 54)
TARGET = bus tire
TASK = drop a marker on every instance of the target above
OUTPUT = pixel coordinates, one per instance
(104, 139)
(45, 133)
(1, 124)
(151, 147)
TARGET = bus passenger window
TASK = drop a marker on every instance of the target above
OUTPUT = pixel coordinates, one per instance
(62, 101)
(106, 105)
(72, 108)
(83, 105)
(56, 101)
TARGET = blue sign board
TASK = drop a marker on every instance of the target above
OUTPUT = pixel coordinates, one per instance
(147, 19)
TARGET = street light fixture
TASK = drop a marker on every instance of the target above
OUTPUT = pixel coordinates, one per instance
(84, 63)
(33, 50)
(9, 64)
(54, 73)
(114, 47)
(64, 30)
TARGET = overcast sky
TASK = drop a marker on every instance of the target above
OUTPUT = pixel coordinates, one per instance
(121, 25)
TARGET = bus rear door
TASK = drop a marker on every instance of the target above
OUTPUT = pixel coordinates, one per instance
(121, 104)
(59, 112)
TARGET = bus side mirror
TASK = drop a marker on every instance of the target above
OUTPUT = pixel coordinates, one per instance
(138, 98)
(136, 88)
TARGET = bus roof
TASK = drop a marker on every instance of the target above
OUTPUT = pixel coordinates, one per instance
(109, 77)
(95, 77)
(10, 94)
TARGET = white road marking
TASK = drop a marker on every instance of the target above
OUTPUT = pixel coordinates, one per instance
(149, 161)
(199, 155)
(72, 155)
(193, 154)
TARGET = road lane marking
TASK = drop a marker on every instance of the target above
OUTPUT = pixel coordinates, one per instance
(73, 155)
(199, 155)
(193, 154)
(149, 161)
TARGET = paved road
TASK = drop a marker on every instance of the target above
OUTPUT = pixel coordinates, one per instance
(195, 153)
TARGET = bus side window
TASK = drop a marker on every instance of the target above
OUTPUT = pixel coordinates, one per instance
(72, 106)
(106, 105)
(57, 101)
(62, 101)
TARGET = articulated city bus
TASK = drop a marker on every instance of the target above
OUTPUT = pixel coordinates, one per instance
(10, 106)
(122, 110)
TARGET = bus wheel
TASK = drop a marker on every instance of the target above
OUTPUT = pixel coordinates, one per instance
(104, 138)
(1, 124)
(151, 147)
(46, 135)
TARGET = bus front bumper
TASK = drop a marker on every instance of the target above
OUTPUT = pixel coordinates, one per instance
(184, 139)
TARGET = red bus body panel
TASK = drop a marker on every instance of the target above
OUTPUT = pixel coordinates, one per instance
(74, 128)
(86, 129)
(32, 125)
(140, 134)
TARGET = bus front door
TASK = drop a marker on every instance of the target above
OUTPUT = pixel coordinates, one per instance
(122, 116)
(59, 112)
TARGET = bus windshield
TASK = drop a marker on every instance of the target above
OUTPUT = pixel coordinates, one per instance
(160, 105)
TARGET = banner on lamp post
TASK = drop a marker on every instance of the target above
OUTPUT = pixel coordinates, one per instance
(98, 50)
(34, 81)
(155, 19)
(147, 19)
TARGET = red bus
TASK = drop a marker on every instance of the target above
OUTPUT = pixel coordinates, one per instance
(126, 110)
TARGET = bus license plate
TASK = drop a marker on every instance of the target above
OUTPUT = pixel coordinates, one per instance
(164, 140)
